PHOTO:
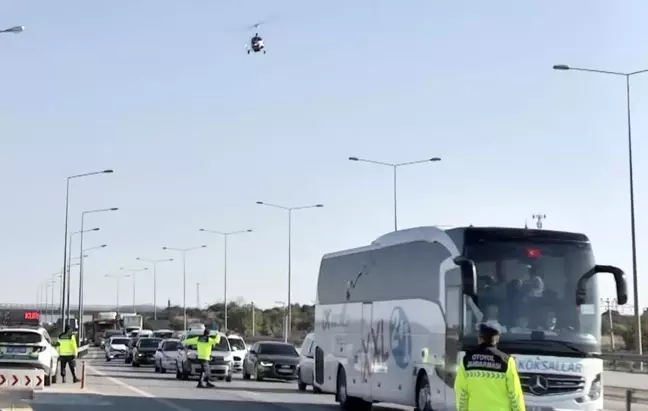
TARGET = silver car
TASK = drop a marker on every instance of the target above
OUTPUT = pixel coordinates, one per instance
(306, 368)
(167, 355)
(116, 347)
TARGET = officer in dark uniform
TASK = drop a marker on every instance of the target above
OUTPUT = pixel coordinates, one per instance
(487, 379)
(68, 351)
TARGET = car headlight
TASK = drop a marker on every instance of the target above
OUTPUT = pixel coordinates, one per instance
(595, 390)
(265, 363)
(191, 355)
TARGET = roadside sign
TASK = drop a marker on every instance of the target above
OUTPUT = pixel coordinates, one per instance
(13, 379)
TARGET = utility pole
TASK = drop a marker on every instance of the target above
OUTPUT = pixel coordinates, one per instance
(253, 320)
(539, 219)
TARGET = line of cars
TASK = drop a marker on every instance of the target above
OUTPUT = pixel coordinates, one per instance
(263, 360)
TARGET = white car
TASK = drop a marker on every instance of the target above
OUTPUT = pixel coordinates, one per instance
(22, 346)
(239, 351)
(116, 347)
(306, 370)
(167, 355)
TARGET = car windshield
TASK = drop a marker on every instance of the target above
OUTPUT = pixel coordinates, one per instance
(172, 346)
(119, 341)
(237, 343)
(162, 334)
(529, 287)
(149, 342)
(20, 337)
(278, 349)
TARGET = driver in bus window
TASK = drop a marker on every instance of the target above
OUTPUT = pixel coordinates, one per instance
(550, 321)
(521, 325)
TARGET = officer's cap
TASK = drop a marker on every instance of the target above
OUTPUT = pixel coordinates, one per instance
(489, 329)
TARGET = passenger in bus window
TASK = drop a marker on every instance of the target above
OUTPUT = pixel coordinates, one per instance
(491, 317)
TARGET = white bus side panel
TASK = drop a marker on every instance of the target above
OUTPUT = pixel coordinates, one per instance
(381, 357)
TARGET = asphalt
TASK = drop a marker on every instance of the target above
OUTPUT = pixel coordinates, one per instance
(116, 386)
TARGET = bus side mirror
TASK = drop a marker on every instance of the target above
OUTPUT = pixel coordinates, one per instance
(468, 276)
(619, 279)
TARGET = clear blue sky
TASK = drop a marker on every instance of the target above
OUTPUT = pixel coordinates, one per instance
(197, 131)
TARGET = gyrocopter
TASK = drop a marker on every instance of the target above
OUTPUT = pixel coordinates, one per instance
(256, 42)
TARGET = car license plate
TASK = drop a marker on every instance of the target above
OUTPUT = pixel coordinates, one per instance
(16, 350)
(285, 366)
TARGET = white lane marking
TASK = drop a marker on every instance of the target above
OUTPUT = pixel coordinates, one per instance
(138, 391)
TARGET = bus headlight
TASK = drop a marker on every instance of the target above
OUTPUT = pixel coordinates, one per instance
(595, 390)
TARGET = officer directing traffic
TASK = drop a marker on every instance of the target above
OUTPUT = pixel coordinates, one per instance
(68, 350)
(487, 379)
(204, 346)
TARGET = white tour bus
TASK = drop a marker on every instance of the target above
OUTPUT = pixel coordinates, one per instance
(394, 319)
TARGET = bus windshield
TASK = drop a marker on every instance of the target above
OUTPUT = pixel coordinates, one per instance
(528, 288)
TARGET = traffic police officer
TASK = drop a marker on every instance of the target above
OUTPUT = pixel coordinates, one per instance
(204, 345)
(487, 379)
(68, 349)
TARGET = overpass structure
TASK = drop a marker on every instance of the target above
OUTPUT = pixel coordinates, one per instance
(89, 310)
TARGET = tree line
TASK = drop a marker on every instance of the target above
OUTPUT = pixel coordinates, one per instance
(619, 331)
(240, 316)
(269, 322)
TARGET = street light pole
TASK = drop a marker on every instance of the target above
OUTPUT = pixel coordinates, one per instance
(225, 235)
(184, 252)
(154, 263)
(53, 278)
(289, 210)
(133, 273)
(395, 167)
(117, 280)
(45, 286)
(285, 319)
(81, 251)
(633, 236)
(69, 271)
(65, 234)
(81, 309)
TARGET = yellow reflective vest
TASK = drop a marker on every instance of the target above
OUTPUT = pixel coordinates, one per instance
(204, 345)
(67, 345)
(487, 380)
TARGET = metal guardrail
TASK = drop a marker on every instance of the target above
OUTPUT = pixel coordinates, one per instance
(625, 362)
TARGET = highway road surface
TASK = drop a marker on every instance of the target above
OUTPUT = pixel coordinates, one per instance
(116, 386)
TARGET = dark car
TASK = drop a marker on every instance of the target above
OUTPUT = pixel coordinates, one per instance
(269, 359)
(129, 350)
(144, 352)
